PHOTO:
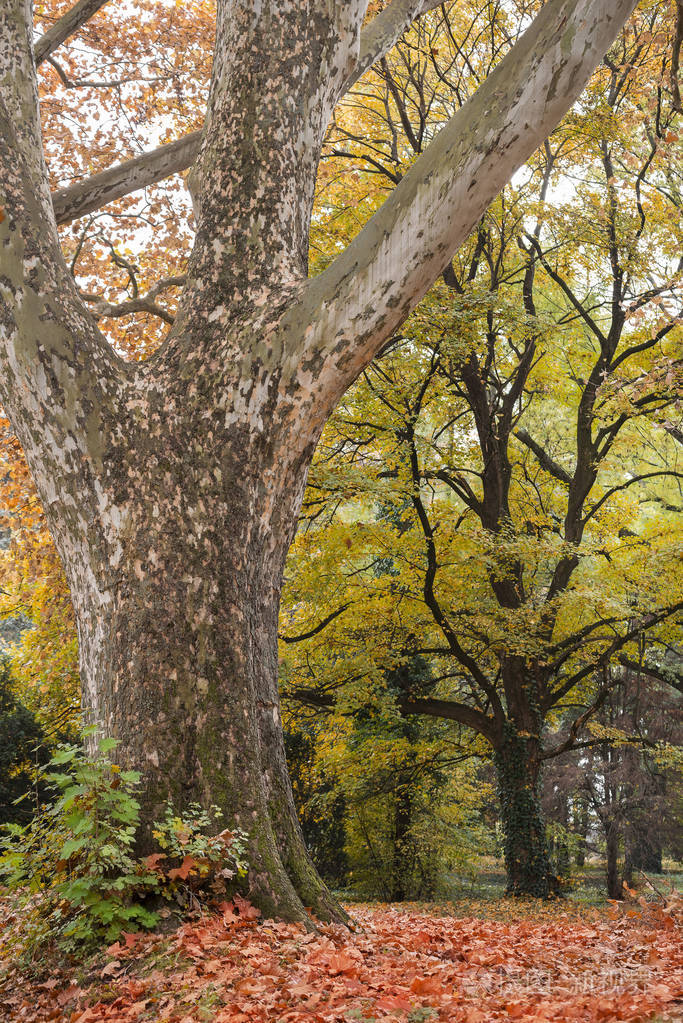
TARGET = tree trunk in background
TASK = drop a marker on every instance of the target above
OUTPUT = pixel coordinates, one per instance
(643, 849)
(526, 850)
(614, 888)
(581, 828)
(402, 822)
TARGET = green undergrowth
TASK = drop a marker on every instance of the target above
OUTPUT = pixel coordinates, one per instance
(70, 877)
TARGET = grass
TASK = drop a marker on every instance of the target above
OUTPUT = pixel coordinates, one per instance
(484, 895)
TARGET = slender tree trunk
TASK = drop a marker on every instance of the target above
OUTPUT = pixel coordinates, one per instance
(526, 848)
(581, 827)
(614, 888)
(402, 821)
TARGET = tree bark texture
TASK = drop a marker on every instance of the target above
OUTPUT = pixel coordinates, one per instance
(526, 849)
(614, 886)
(172, 487)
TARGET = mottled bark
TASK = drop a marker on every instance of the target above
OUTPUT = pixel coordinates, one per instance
(172, 487)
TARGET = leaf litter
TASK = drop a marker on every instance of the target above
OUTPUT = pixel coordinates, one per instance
(401, 963)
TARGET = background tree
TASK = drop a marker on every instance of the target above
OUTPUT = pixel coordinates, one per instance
(521, 434)
(22, 749)
(626, 776)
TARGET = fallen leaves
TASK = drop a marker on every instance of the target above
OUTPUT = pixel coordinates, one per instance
(399, 965)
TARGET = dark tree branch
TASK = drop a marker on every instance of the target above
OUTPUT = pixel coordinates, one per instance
(544, 459)
(316, 629)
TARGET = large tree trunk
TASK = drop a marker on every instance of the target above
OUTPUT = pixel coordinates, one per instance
(178, 630)
(526, 850)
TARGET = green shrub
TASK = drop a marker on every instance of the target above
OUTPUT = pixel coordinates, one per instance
(204, 856)
(73, 870)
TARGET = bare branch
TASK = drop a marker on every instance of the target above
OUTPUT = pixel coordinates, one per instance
(138, 303)
(65, 27)
(544, 459)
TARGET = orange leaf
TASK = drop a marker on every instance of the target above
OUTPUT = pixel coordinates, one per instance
(427, 986)
(184, 870)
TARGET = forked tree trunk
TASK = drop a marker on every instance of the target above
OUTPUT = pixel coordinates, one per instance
(526, 850)
(172, 487)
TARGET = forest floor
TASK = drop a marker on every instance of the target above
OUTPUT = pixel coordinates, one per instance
(501, 960)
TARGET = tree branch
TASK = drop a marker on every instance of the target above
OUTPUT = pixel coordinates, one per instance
(371, 287)
(675, 58)
(65, 27)
(116, 182)
(317, 628)
(460, 712)
(544, 459)
(674, 680)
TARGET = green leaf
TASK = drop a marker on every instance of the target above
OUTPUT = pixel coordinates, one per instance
(108, 744)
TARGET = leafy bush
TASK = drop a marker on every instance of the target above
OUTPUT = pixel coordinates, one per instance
(73, 869)
(205, 857)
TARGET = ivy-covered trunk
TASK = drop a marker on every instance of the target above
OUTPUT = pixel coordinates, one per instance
(526, 852)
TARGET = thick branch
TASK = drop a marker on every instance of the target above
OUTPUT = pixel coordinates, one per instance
(460, 712)
(448, 709)
(544, 459)
(676, 57)
(93, 193)
(670, 678)
(370, 289)
(65, 27)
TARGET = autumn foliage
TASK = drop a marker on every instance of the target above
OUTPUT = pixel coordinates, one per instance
(403, 965)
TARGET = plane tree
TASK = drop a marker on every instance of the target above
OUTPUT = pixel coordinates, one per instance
(171, 485)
